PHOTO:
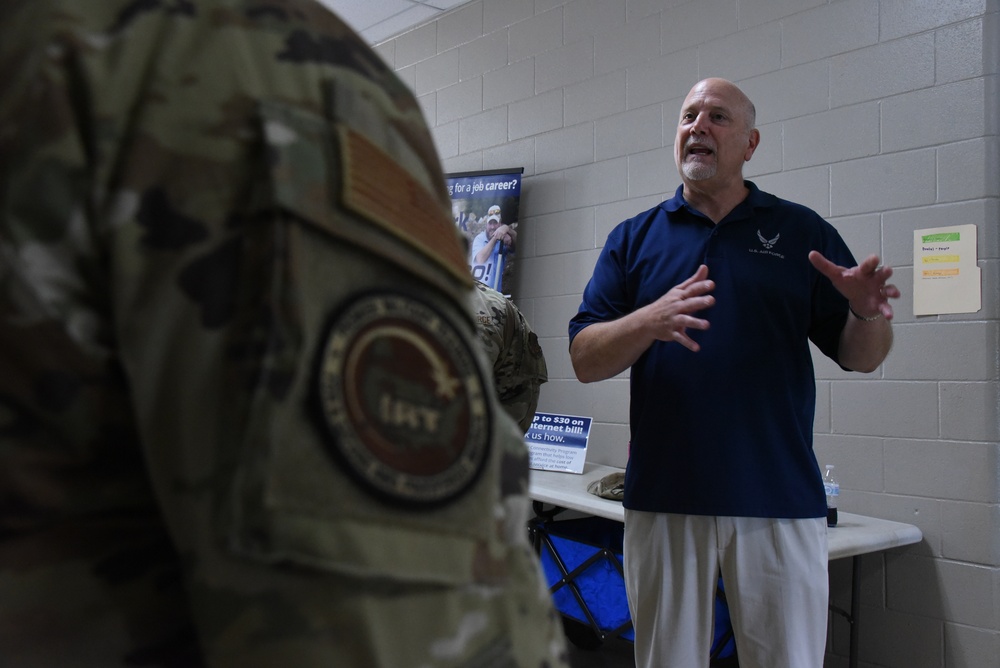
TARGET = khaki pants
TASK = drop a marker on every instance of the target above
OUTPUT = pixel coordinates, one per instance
(775, 573)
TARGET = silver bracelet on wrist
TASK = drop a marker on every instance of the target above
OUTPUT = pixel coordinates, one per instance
(861, 317)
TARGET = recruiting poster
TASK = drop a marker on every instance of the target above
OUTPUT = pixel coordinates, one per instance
(558, 442)
(485, 208)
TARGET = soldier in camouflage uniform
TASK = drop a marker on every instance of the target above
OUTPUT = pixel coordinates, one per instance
(518, 364)
(244, 420)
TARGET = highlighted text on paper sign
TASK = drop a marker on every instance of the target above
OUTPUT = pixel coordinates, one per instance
(940, 273)
(939, 259)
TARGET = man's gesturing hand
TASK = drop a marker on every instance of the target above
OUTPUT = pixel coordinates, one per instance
(671, 314)
(864, 285)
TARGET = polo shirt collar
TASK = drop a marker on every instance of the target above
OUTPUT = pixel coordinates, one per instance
(755, 199)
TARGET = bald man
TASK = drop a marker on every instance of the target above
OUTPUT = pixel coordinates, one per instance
(711, 299)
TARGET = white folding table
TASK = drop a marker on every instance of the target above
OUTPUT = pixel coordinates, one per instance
(854, 535)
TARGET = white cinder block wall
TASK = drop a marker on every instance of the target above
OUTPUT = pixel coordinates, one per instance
(880, 114)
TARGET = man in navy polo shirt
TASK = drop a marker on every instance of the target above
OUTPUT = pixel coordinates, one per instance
(711, 298)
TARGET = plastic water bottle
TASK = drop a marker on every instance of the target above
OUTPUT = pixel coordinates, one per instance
(832, 488)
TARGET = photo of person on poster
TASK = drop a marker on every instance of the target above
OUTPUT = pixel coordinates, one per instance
(492, 248)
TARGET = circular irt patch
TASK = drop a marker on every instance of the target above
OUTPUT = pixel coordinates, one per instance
(402, 393)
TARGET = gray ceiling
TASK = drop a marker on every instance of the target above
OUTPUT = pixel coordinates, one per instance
(378, 20)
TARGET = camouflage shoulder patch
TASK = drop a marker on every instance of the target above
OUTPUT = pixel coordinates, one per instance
(410, 212)
(404, 400)
(318, 173)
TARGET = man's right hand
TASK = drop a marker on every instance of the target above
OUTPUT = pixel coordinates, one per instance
(671, 315)
(605, 349)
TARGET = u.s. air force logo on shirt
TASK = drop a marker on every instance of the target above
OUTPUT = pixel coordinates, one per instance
(404, 398)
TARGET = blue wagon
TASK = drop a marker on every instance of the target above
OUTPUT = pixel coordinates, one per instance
(582, 561)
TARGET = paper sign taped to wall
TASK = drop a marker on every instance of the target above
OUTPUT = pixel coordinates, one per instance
(946, 276)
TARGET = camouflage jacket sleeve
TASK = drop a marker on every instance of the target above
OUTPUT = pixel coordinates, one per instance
(244, 418)
(512, 347)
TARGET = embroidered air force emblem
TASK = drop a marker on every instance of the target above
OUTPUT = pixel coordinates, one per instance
(404, 399)
(768, 243)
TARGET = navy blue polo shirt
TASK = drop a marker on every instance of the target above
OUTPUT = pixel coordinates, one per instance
(727, 430)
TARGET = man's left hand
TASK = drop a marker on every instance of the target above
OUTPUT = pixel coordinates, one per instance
(864, 285)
